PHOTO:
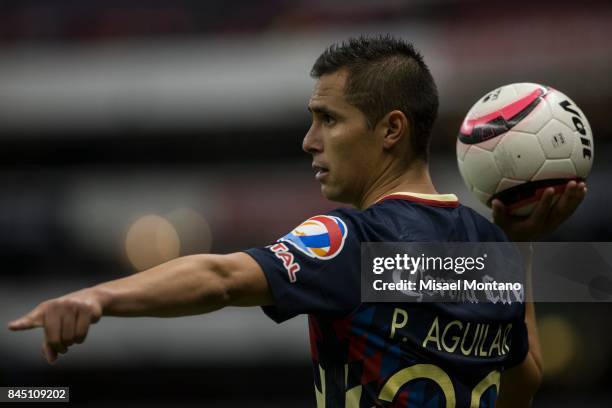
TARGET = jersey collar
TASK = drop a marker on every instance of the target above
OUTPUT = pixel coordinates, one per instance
(436, 200)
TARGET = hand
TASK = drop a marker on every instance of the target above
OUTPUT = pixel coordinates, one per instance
(66, 321)
(545, 217)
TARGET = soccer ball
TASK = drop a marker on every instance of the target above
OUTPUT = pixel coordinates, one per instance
(520, 139)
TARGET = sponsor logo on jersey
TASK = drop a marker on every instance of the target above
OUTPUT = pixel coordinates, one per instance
(321, 236)
(291, 266)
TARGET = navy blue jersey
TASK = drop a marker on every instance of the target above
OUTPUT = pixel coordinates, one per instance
(387, 354)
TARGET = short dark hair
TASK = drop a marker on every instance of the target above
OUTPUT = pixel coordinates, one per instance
(385, 74)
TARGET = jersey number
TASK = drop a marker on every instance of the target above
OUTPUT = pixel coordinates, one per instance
(426, 371)
(437, 375)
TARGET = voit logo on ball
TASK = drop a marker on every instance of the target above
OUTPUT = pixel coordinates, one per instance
(321, 236)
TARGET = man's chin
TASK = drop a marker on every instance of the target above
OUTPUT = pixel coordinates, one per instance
(334, 194)
(328, 192)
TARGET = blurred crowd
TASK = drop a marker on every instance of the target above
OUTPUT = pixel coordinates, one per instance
(133, 132)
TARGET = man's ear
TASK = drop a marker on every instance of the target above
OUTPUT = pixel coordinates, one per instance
(395, 127)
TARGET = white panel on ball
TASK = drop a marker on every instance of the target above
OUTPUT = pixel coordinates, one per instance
(463, 175)
(556, 169)
(480, 169)
(557, 140)
(519, 155)
(462, 149)
(523, 89)
(482, 196)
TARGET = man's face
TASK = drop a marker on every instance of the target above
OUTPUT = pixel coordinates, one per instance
(345, 152)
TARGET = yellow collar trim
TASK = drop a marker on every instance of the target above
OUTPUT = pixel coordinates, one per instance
(424, 196)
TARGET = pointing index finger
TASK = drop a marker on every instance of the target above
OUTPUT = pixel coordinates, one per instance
(29, 321)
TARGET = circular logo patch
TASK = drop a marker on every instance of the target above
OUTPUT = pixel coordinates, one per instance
(321, 236)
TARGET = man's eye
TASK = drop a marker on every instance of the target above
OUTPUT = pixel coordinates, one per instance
(328, 119)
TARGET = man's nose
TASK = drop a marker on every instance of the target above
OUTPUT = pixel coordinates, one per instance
(312, 143)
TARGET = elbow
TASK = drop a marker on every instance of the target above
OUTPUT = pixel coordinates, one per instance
(538, 380)
(537, 373)
(232, 280)
(533, 377)
(519, 385)
(534, 383)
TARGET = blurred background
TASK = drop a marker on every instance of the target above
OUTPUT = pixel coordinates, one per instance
(132, 132)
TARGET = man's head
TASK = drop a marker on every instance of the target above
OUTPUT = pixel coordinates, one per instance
(373, 108)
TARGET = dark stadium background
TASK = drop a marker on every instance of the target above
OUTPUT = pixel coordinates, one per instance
(191, 114)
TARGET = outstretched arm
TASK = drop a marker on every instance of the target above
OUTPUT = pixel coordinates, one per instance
(519, 384)
(184, 286)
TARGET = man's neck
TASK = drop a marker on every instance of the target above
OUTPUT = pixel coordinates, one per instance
(416, 179)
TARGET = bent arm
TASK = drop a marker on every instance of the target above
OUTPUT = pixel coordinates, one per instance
(519, 384)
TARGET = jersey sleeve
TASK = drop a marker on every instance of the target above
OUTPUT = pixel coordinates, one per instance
(314, 269)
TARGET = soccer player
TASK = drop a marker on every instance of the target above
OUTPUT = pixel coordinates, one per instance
(373, 107)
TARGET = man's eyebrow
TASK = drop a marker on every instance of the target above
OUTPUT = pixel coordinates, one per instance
(322, 110)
